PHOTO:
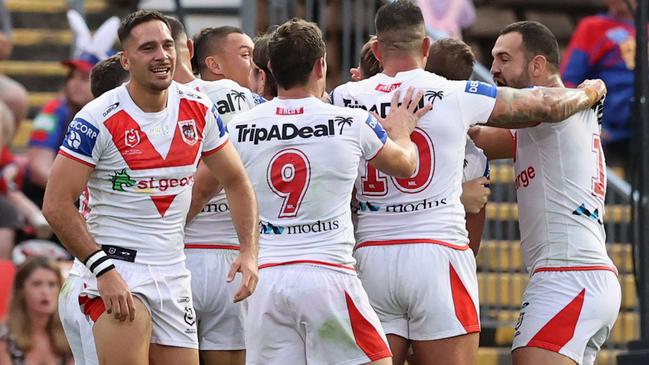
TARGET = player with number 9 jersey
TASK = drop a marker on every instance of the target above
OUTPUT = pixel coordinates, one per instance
(302, 156)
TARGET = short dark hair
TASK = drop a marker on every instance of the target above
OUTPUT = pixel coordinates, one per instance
(207, 41)
(369, 65)
(260, 57)
(176, 27)
(400, 25)
(537, 40)
(136, 18)
(293, 50)
(451, 58)
(107, 75)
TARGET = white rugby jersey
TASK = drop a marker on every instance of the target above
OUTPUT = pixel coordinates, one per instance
(213, 226)
(475, 162)
(302, 156)
(560, 184)
(140, 189)
(426, 207)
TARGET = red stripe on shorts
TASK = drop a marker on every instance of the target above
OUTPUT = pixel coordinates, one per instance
(411, 241)
(464, 307)
(576, 268)
(211, 246)
(365, 335)
(561, 328)
(92, 307)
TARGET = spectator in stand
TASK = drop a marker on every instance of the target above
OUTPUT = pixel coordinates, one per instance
(448, 17)
(34, 334)
(51, 124)
(12, 94)
(603, 46)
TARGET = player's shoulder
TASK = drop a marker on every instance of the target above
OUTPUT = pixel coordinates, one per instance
(185, 92)
(103, 107)
(343, 112)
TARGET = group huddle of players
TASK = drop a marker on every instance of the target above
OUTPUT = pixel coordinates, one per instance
(161, 236)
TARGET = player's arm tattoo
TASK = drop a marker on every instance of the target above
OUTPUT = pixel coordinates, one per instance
(521, 108)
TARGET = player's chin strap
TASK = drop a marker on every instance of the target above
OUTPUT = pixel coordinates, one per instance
(99, 263)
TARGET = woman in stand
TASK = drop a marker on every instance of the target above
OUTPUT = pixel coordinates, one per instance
(34, 334)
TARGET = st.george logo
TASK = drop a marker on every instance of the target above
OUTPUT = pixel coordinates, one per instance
(188, 131)
(131, 137)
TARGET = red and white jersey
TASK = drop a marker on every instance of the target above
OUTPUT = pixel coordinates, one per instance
(426, 207)
(140, 189)
(560, 184)
(213, 225)
(475, 162)
(302, 156)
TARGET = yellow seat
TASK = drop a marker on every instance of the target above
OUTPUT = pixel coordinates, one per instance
(21, 138)
(629, 295)
(500, 256)
(52, 6)
(627, 328)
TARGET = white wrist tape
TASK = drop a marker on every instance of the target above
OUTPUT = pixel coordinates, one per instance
(99, 263)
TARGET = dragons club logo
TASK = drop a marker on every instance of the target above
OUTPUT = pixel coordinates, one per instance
(121, 179)
(188, 131)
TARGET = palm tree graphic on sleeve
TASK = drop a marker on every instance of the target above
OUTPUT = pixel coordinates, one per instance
(342, 122)
(121, 179)
(432, 95)
(238, 96)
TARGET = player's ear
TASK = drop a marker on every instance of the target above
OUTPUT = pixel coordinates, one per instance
(320, 67)
(538, 65)
(213, 65)
(426, 47)
(123, 60)
(376, 50)
(190, 47)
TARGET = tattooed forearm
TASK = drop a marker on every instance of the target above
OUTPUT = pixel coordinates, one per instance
(523, 108)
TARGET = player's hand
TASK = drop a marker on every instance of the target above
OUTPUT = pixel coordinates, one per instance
(402, 118)
(475, 194)
(598, 90)
(355, 73)
(116, 295)
(246, 264)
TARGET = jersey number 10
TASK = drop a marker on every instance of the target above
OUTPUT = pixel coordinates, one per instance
(375, 184)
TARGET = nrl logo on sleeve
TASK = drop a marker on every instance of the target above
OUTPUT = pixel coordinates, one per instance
(387, 88)
(188, 131)
(132, 137)
(289, 111)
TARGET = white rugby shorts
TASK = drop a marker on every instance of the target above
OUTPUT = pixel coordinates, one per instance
(569, 312)
(77, 327)
(164, 289)
(220, 321)
(421, 291)
(308, 314)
